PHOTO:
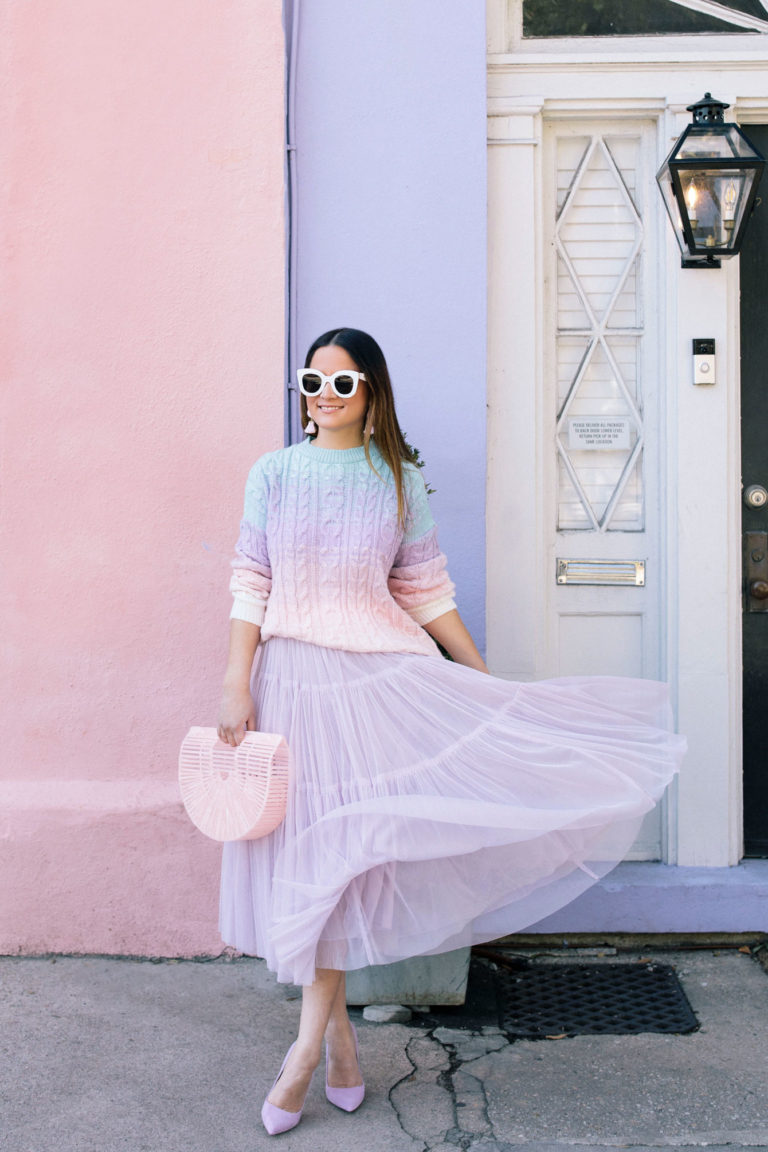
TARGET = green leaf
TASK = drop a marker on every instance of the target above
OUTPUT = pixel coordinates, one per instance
(415, 458)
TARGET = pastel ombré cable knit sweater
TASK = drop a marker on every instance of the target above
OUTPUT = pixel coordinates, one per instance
(321, 556)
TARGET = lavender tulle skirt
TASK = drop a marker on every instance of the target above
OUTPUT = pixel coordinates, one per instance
(432, 806)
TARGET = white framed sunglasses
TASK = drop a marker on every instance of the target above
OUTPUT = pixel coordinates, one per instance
(344, 383)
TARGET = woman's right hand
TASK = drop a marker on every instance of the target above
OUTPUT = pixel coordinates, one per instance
(237, 715)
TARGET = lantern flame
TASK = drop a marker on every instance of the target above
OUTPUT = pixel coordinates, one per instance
(692, 196)
(730, 196)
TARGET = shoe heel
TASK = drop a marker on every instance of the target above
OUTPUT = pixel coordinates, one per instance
(348, 1099)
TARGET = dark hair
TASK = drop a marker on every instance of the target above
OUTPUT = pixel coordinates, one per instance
(381, 414)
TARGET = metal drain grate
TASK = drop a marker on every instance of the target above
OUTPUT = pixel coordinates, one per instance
(592, 999)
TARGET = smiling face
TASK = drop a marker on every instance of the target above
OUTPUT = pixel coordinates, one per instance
(334, 413)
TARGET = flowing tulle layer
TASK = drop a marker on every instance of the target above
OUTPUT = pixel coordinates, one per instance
(432, 806)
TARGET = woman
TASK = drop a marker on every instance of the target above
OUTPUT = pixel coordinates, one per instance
(431, 805)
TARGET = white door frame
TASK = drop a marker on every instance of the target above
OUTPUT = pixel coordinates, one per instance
(700, 442)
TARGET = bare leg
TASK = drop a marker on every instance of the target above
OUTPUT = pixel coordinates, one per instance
(340, 1043)
(316, 1006)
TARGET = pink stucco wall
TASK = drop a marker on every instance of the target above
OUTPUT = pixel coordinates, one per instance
(142, 366)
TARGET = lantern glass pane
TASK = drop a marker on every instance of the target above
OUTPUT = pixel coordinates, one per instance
(673, 211)
(716, 203)
(702, 143)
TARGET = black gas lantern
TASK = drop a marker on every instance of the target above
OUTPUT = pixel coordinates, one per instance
(709, 182)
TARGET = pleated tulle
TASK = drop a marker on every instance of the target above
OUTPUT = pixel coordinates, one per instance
(432, 806)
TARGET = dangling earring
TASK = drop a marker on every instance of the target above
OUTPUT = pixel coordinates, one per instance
(370, 431)
(310, 428)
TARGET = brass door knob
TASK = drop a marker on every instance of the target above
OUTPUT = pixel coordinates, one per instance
(758, 590)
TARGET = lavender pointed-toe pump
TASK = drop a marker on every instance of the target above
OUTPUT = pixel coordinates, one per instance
(347, 1098)
(275, 1119)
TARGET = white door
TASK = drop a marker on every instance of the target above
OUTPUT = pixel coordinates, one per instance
(591, 467)
(600, 408)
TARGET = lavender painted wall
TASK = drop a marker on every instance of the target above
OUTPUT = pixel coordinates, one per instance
(390, 230)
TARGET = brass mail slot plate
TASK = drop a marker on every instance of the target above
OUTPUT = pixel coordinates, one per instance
(628, 572)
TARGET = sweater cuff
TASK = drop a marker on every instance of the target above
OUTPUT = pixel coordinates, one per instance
(426, 613)
(247, 610)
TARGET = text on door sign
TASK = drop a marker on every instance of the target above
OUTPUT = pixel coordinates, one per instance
(597, 432)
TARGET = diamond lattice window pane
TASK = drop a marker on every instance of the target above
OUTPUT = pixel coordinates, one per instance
(598, 236)
(628, 513)
(600, 402)
(572, 352)
(625, 312)
(570, 312)
(598, 228)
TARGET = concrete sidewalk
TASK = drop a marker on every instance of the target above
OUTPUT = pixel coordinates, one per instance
(101, 1055)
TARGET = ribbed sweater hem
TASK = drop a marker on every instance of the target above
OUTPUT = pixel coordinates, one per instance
(252, 613)
(426, 613)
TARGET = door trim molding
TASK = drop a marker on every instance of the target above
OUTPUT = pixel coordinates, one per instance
(637, 61)
(703, 815)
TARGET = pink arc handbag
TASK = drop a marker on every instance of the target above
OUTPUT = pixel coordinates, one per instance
(234, 793)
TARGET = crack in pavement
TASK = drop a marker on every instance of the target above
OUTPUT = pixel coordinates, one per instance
(391, 1095)
(474, 1090)
(440, 1102)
